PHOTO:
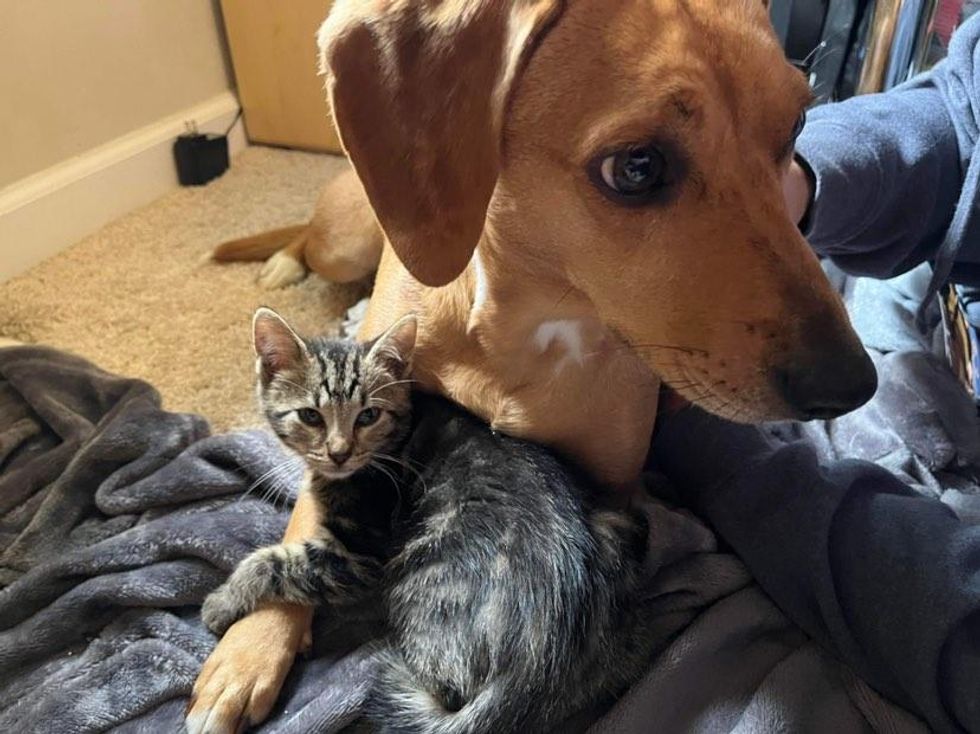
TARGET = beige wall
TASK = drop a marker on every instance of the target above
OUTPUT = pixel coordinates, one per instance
(75, 74)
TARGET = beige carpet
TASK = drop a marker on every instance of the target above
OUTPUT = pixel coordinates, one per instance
(136, 298)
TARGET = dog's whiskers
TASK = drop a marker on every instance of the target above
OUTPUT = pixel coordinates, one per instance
(692, 351)
(672, 347)
(698, 391)
(813, 58)
(566, 294)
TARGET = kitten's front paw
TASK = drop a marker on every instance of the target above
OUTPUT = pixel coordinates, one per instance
(220, 611)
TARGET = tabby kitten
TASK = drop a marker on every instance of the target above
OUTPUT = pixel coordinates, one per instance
(340, 406)
(511, 599)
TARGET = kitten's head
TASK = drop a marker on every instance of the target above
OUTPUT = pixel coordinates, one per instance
(336, 403)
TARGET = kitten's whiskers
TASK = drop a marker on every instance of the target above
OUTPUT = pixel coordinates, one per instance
(391, 477)
(277, 476)
(405, 465)
(392, 383)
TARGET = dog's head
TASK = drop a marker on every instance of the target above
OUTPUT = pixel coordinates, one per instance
(634, 149)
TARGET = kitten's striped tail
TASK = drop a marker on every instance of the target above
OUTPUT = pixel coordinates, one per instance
(401, 704)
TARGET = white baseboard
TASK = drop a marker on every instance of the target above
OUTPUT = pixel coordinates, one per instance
(45, 213)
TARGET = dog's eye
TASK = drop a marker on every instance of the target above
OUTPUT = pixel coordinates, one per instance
(800, 124)
(367, 417)
(635, 172)
(310, 417)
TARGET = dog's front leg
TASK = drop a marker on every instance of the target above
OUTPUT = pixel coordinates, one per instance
(240, 681)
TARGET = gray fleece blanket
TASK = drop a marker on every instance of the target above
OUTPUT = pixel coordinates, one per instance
(117, 518)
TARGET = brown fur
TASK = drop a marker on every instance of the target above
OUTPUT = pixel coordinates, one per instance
(713, 291)
(260, 246)
(341, 243)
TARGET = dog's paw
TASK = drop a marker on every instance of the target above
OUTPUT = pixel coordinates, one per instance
(220, 611)
(280, 270)
(241, 679)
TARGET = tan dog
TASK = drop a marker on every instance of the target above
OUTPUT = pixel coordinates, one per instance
(341, 242)
(582, 199)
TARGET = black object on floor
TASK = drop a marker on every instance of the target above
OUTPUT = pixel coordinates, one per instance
(200, 158)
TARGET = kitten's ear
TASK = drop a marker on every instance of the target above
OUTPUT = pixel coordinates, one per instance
(396, 347)
(277, 346)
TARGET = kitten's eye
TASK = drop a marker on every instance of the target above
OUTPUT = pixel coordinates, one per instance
(310, 417)
(635, 173)
(367, 417)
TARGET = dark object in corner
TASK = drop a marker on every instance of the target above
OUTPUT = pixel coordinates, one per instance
(200, 158)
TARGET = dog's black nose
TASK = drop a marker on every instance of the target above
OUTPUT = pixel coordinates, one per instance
(339, 457)
(827, 385)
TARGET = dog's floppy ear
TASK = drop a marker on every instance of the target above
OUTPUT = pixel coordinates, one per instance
(419, 90)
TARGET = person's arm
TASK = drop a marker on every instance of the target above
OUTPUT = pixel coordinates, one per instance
(885, 170)
(887, 579)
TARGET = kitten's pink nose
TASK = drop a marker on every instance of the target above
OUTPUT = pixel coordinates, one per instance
(338, 457)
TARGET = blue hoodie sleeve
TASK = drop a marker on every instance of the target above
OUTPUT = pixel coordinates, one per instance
(887, 579)
(889, 167)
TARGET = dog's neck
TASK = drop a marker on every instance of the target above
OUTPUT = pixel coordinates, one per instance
(531, 354)
(515, 342)
(529, 315)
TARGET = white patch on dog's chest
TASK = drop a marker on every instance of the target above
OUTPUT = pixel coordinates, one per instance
(565, 333)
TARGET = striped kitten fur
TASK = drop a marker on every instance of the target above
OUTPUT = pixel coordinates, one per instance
(511, 599)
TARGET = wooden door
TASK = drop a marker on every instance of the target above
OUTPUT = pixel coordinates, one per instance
(273, 49)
